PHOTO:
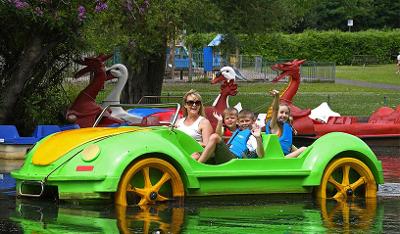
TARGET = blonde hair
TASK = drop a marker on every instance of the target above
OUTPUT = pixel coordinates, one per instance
(197, 95)
(230, 111)
(246, 114)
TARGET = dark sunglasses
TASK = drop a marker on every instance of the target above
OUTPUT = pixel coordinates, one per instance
(190, 103)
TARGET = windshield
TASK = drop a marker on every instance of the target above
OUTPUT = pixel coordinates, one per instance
(138, 115)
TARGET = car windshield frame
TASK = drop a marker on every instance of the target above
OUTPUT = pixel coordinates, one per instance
(177, 107)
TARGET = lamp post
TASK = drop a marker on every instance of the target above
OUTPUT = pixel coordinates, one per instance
(350, 24)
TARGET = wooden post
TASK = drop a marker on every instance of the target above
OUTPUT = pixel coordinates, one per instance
(237, 57)
(172, 56)
(190, 64)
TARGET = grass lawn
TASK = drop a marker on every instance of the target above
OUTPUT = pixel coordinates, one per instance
(345, 99)
(371, 73)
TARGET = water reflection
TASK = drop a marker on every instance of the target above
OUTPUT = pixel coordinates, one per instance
(149, 219)
(349, 216)
(255, 215)
(390, 166)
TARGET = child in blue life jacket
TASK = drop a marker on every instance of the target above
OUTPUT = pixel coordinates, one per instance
(281, 126)
(246, 142)
(227, 123)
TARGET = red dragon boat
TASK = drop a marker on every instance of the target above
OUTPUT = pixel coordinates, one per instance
(381, 130)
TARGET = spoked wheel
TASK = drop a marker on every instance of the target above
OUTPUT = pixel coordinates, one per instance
(149, 181)
(347, 216)
(347, 178)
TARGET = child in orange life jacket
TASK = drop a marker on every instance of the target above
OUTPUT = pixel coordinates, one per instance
(281, 126)
(246, 142)
(227, 123)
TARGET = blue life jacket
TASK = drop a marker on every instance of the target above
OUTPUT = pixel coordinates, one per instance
(238, 142)
(286, 138)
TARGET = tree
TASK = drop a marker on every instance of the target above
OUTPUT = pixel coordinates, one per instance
(143, 37)
(366, 14)
(259, 16)
(37, 42)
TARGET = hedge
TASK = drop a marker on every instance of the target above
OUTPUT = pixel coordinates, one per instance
(329, 46)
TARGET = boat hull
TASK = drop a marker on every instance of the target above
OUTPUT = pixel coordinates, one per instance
(13, 152)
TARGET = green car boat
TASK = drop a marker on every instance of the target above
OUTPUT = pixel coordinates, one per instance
(136, 165)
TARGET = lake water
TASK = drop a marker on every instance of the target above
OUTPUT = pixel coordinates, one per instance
(223, 214)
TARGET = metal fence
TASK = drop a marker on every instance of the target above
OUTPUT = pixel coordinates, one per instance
(364, 60)
(254, 68)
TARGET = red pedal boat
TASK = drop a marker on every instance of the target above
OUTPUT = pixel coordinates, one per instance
(381, 129)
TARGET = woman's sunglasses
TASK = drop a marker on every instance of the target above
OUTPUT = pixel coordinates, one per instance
(190, 103)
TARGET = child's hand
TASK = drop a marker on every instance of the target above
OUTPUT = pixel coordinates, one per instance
(274, 92)
(256, 130)
(217, 116)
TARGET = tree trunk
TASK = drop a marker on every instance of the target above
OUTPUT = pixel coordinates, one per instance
(23, 71)
(145, 79)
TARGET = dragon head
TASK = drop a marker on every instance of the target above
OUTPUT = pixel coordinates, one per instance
(92, 64)
(291, 68)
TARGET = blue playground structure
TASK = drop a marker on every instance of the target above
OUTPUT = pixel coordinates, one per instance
(211, 57)
(181, 59)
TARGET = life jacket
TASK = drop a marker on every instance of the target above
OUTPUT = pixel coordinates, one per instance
(238, 142)
(285, 137)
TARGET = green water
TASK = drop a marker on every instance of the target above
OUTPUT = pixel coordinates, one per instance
(248, 214)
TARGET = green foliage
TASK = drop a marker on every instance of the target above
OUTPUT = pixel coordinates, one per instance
(366, 14)
(199, 40)
(336, 46)
(43, 108)
(38, 40)
(259, 16)
(333, 46)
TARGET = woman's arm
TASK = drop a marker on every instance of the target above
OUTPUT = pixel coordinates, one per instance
(206, 131)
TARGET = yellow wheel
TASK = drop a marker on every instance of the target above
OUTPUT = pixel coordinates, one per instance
(149, 181)
(347, 178)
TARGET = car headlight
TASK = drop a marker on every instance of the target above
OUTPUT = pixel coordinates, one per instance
(90, 153)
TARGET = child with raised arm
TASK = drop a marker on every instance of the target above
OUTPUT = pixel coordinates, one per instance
(246, 142)
(280, 125)
(227, 123)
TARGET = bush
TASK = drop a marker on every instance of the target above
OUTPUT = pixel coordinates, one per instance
(47, 107)
(333, 46)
